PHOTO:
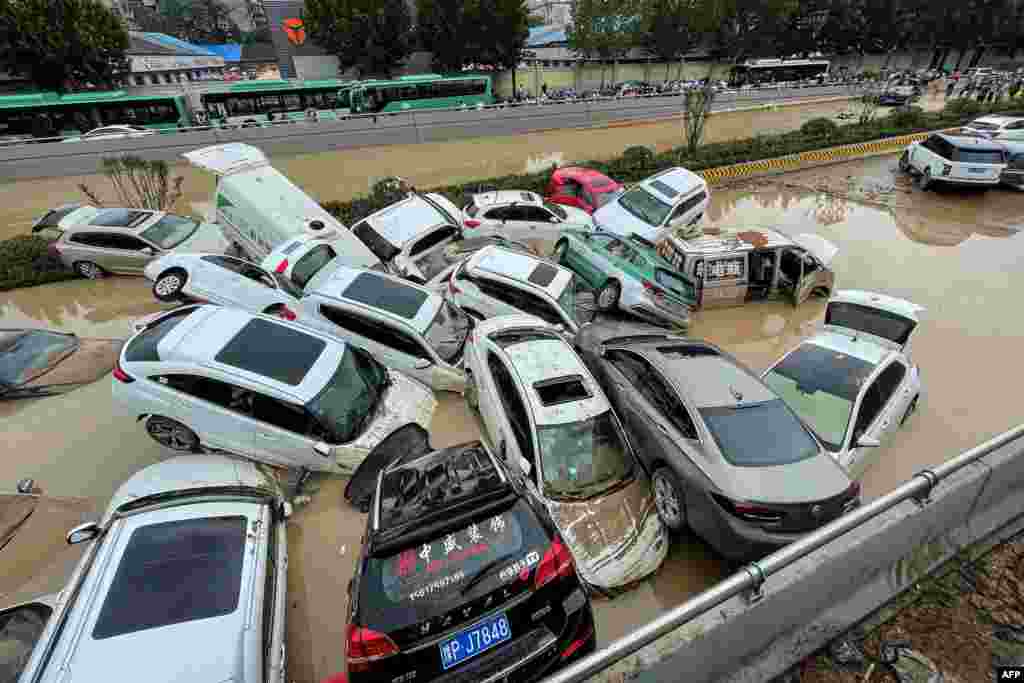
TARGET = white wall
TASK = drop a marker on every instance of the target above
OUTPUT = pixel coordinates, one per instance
(318, 67)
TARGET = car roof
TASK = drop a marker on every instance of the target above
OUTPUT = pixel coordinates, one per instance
(118, 219)
(708, 377)
(974, 143)
(209, 330)
(406, 220)
(525, 268)
(996, 118)
(581, 173)
(851, 344)
(892, 304)
(539, 360)
(485, 199)
(398, 299)
(732, 241)
(681, 180)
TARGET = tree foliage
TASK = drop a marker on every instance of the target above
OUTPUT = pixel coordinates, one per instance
(61, 43)
(373, 36)
(461, 33)
(607, 29)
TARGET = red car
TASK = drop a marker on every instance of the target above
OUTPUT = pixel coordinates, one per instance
(584, 188)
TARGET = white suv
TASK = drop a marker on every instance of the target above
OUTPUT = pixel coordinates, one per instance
(496, 281)
(673, 199)
(183, 579)
(954, 159)
(994, 125)
(262, 388)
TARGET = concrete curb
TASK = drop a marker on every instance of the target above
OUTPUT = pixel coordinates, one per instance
(629, 123)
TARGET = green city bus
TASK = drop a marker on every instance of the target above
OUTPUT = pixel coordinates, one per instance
(49, 114)
(425, 91)
(251, 102)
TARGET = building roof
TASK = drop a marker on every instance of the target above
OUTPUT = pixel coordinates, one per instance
(141, 43)
(231, 52)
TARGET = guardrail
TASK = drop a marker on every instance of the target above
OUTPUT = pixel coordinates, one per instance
(969, 499)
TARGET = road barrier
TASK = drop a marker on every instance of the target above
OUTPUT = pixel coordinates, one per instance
(775, 612)
(42, 159)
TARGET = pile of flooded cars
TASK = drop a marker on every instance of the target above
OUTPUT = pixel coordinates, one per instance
(295, 342)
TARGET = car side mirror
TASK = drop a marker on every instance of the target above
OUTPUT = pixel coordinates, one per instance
(422, 364)
(868, 442)
(323, 448)
(82, 533)
(525, 465)
(148, 251)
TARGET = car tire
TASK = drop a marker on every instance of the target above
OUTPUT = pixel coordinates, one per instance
(172, 434)
(88, 270)
(561, 250)
(905, 162)
(926, 179)
(471, 393)
(169, 285)
(668, 498)
(608, 295)
(910, 411)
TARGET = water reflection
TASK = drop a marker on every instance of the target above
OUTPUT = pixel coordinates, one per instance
(100, 308)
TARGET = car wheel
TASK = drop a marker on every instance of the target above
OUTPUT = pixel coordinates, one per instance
(905, 162)
(470, 392)
(88, 270)
(608, 296)
(169, 284)
(561, 250)
(172, 434)
(910, 410)
(668, 498)
(926, 179)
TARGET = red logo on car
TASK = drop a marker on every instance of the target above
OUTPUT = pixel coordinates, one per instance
(295, 29)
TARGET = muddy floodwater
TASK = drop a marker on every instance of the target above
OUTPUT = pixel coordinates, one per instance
(958, 254)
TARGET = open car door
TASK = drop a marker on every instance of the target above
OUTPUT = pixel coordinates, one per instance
(884, 317)
(815, 266)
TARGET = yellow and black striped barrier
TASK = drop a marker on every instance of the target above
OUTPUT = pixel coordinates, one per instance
(794, 162)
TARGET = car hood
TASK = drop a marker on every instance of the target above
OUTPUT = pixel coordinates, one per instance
(813, 479)
(613, 537)
(615, 219)
(607, 329)
(407, 401)
(207, 238)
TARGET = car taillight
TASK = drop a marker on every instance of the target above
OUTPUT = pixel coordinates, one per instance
(750, 512)
(286, 313)
(281, 267)
(120, 375)
(366, 647)
(946, 169)
(653, 289)
(579, 642)
(471, 223)
(557, 562)
(853, 491)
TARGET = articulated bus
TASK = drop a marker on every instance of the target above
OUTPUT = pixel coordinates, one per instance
(49, 114)
(250, 102)
(757, 71)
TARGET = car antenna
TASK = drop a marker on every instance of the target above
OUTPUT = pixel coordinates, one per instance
(736, 394)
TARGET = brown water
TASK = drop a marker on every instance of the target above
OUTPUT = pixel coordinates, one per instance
(958, 254)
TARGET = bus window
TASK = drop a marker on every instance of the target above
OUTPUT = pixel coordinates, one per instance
(240, 106)
(313, 99)
(339, 100)
(292, 102)
(268, 103)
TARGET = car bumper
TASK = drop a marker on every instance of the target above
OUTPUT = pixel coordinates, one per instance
(1013, 179)
(740, 541)
(966, 181)
(630, 562)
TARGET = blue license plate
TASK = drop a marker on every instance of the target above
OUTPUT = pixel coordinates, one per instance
(478, 638)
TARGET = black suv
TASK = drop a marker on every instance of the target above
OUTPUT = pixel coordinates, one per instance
(461, 577)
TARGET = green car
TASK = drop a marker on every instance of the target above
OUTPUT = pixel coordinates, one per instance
(628, 275)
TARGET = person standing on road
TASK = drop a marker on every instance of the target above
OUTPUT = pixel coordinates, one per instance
(950, 88)
(544, 90)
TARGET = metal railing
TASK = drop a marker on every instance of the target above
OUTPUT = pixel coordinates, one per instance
(750, 580)
(737, 94)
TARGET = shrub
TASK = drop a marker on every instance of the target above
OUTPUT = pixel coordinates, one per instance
(24, 262)
(906, 117)
(820, 128)
(963, 107)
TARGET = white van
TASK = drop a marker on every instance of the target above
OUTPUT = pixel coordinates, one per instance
(259, 209)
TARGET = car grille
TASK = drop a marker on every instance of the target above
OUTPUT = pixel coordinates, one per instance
(535, 646)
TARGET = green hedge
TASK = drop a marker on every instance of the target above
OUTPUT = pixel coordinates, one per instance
(24, 262)
(638, 162)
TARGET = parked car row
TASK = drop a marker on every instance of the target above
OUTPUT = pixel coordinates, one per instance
(314, 347)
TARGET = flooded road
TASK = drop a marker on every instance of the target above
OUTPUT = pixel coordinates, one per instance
(341, 175)
(957, 254)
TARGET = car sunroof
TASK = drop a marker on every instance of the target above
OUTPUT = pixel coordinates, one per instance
(561, 390)
(373, 290)
(543, 274)
(663, 188)
(119, 218)
(276, 351)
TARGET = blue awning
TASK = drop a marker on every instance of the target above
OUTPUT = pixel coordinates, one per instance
(231, 52)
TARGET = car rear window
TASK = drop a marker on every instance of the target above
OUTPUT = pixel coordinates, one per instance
(976, 156)
(173, 572)
(120, 218)
(143, 346)
(311, 264)
(562, 390)
(759, 435)
(371, 289)
(53, 217)
(664, 189)
(276, 351)
(380, 247)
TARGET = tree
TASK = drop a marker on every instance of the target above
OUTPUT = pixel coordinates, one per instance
(748, 28)
(372, 36)
(669, 29)
(607, 29)
(460, 33)
(54, 42)
(198, 21)
(503, 27)
(535, 20)
(443, 29)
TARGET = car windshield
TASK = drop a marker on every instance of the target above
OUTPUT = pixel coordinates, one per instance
(351, 397)
(645, 206)
(567, 300)
(556, 209)
(448, 332)
(762, 434)
(583, 459)
(25, 354)
(821, 385)
(170, 231)
(380, 247)
(980, 156)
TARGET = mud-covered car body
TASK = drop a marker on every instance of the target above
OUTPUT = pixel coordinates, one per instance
(1013, 174)
(183, 578)
(628, 274)
(44, 362)
(731, 269)
(853, 382)
(549, 419)
(461, 574)
(727, 457)
(583, 188)
(262, 388)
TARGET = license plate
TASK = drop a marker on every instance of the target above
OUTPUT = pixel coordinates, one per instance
(478, 638)
(977, 170)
